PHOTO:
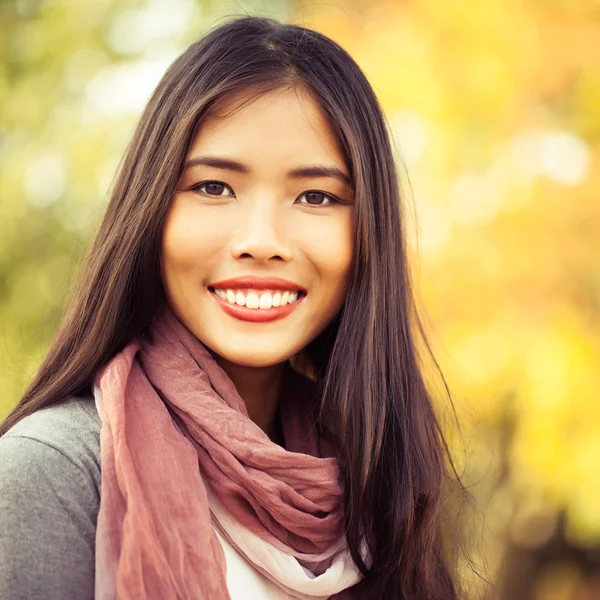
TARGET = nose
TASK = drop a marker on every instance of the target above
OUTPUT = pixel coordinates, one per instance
(263, 235)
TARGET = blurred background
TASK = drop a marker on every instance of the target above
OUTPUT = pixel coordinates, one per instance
(495, 110)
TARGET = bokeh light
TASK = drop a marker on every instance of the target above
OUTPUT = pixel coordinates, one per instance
(494, 108)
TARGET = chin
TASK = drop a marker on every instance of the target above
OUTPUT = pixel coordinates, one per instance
(254, 359)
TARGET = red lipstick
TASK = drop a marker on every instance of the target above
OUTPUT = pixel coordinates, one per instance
(257, 315)
(257, 283)
(250, 282)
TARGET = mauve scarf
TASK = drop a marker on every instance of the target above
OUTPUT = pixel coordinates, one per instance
(180, 456)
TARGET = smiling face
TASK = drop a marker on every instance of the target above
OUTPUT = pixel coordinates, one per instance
(265, 193)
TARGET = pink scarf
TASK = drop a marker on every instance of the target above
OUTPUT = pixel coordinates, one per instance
(180, 458)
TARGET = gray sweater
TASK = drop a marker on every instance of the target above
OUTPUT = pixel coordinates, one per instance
(50, 473)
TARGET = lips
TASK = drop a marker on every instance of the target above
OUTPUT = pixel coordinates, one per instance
(256, 315)
(258, 283)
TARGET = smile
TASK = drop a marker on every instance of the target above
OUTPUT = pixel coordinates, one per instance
(257, 305)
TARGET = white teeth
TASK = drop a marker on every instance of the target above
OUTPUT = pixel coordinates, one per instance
(266, 300)
(253, 300)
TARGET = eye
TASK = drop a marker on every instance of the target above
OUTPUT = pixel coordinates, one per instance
(318, 199)
(213, 188)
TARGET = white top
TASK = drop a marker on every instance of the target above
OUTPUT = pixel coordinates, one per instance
(244, 582)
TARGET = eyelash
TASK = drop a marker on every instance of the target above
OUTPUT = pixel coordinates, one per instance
(332, 200)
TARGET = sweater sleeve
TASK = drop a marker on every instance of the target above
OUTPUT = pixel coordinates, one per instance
(48, 512)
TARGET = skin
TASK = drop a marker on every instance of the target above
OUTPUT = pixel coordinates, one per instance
(262, 223)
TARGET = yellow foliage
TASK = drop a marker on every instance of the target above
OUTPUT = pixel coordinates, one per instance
(496, 107)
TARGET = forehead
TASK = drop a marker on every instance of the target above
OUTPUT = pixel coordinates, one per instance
(288, 123)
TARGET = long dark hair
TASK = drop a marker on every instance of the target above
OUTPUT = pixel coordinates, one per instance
(369, 364)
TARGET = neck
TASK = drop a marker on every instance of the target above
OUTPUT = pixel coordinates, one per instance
(259, 387)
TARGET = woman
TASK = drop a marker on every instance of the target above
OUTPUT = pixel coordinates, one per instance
(233, 406)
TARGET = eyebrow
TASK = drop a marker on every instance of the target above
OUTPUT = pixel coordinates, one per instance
(298, 173)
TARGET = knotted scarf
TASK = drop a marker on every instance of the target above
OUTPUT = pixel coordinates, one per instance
(181, 459)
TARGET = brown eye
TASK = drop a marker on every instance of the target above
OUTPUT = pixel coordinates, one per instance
(213, 188)
(317, 199)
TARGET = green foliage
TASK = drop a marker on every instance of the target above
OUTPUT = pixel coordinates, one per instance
(74, 76)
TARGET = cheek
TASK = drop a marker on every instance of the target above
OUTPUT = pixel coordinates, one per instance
(188, 243)
(331, 252)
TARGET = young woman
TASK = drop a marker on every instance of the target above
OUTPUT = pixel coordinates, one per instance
(233, 406)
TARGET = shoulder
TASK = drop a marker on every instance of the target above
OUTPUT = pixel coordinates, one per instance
(70, 428)
(49, 501)
(58, 444)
